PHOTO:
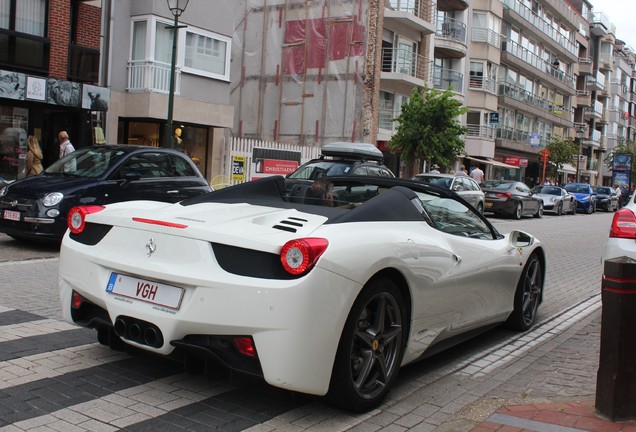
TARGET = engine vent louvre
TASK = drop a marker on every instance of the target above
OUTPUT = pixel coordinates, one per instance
(290, 224)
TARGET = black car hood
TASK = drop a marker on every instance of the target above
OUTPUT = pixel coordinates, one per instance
(39, 185)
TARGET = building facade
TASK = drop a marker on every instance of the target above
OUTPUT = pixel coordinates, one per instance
(49, 77)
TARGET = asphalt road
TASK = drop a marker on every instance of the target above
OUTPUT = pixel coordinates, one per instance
(54, 376)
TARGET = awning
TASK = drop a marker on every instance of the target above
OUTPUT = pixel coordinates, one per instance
(568, 169)
(491, 162)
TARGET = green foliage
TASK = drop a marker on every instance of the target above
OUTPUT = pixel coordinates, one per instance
(429, 128)
(562, 151)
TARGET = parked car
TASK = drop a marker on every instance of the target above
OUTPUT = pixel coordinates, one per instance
(585, 196)
(606, 198)
(248, 279)
(462, 185)
(36, 207)
(511, 198)
(622, 236)
(555, 199)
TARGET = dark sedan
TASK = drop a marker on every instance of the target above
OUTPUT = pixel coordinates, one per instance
(606, 198)
(511, 198)
(36, 207)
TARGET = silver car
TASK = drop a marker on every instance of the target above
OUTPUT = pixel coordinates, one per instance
(463, 185)
(555, 199)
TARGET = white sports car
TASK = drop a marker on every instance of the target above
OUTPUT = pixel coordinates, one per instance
(327, 292)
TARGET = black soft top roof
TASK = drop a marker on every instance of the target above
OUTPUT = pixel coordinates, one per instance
(393, 204)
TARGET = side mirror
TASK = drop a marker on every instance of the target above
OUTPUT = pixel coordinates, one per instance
(520, 239)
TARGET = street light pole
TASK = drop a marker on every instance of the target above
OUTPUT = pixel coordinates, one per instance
(176, 7)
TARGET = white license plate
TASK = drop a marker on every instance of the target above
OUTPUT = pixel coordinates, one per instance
(147, 291)
(12, 215)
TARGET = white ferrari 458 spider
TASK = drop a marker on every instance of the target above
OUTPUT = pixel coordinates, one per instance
(326, 289)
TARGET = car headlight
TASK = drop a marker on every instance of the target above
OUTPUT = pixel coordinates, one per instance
(52, 198)
(4, 191)
(553, 199)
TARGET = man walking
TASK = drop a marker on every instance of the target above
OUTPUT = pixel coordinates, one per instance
(477, 174)
(65, 144)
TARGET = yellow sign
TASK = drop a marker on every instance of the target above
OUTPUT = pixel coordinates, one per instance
(238, 168)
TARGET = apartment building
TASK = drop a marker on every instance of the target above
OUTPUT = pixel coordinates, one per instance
(49, 76)
(139, 54)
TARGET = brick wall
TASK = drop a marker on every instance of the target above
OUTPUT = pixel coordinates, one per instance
(60, 34)
(89, 26)
(88, 33)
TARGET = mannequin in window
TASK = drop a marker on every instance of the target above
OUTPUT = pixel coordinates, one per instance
(177, 136)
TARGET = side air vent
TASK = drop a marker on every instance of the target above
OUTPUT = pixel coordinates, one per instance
(290, 224)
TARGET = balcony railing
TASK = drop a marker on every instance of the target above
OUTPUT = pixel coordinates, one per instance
(481, 131)
(451, 28)
(598, 108)
(27, 52)
(482, 83)
(448, 79)
(486, 35)
(519, 94)
(404, 61)
(520, 136)
(605, 59)
(83, 65)
(534, 60)
(151, 76)
(541, 24)
(595, 135)
(421, 9)
(385, 118)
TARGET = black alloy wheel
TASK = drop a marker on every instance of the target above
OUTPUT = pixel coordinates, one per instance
(527, 296)
(370, 349)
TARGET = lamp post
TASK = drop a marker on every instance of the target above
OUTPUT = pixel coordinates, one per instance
(176, 7)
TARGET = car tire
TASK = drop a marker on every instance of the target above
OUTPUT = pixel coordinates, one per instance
(590, 209)
(539, 213)
(370, 349)
(527, 296)
(559, 209)
(518, 211)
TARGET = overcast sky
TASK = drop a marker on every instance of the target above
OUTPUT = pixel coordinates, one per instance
(622, 13)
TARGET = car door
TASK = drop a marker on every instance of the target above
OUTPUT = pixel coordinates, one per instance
(530, 203)
(486, 269)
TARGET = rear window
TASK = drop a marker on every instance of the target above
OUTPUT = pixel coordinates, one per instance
(499, 185)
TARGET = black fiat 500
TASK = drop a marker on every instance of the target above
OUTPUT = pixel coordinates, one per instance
(36, 207)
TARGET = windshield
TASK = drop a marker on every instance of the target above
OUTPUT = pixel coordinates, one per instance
(576, 188)
(317, 169)
(87, 163)
(603, 190)
(497, 184)
(548, 190)
(443, 182)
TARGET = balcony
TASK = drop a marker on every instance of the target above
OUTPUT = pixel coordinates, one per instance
(402, 69)
(583, 98)
(448, 79)
(450, 38)
(585, 66)
(520, 99)
(482, 83)
(515, 11)
(605, 61)
(596, 82)
(519, 139)
(600, 24)
(593, 139)
(413, 14)
(83, 65)
(24, 52)
(480, 34)
(481, 131)
(513, 50)
(151, 76)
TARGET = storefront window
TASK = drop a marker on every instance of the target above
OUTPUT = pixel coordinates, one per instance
(13, 141)
(143, 133)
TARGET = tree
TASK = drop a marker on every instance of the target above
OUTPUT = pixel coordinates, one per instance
(429, 128)
(562, 151)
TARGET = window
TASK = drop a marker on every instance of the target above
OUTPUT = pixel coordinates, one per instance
(22, 31)
(29, 16)
(206, 54)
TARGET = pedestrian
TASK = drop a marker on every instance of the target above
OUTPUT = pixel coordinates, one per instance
(477, 174)
(65, 144)
(462, 170)
(34, 157)
(434, 169)
(617, 191)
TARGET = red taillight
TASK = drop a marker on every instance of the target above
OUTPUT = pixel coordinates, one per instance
(159, 222)
(504, 195)
(245, 345)
(299, 256)
(623, 224)
(76, 218)
(76, 300)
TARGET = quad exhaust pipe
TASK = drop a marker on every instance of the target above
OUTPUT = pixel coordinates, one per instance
(139, 331)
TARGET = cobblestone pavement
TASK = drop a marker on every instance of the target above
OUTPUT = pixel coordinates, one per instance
(56, 377)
